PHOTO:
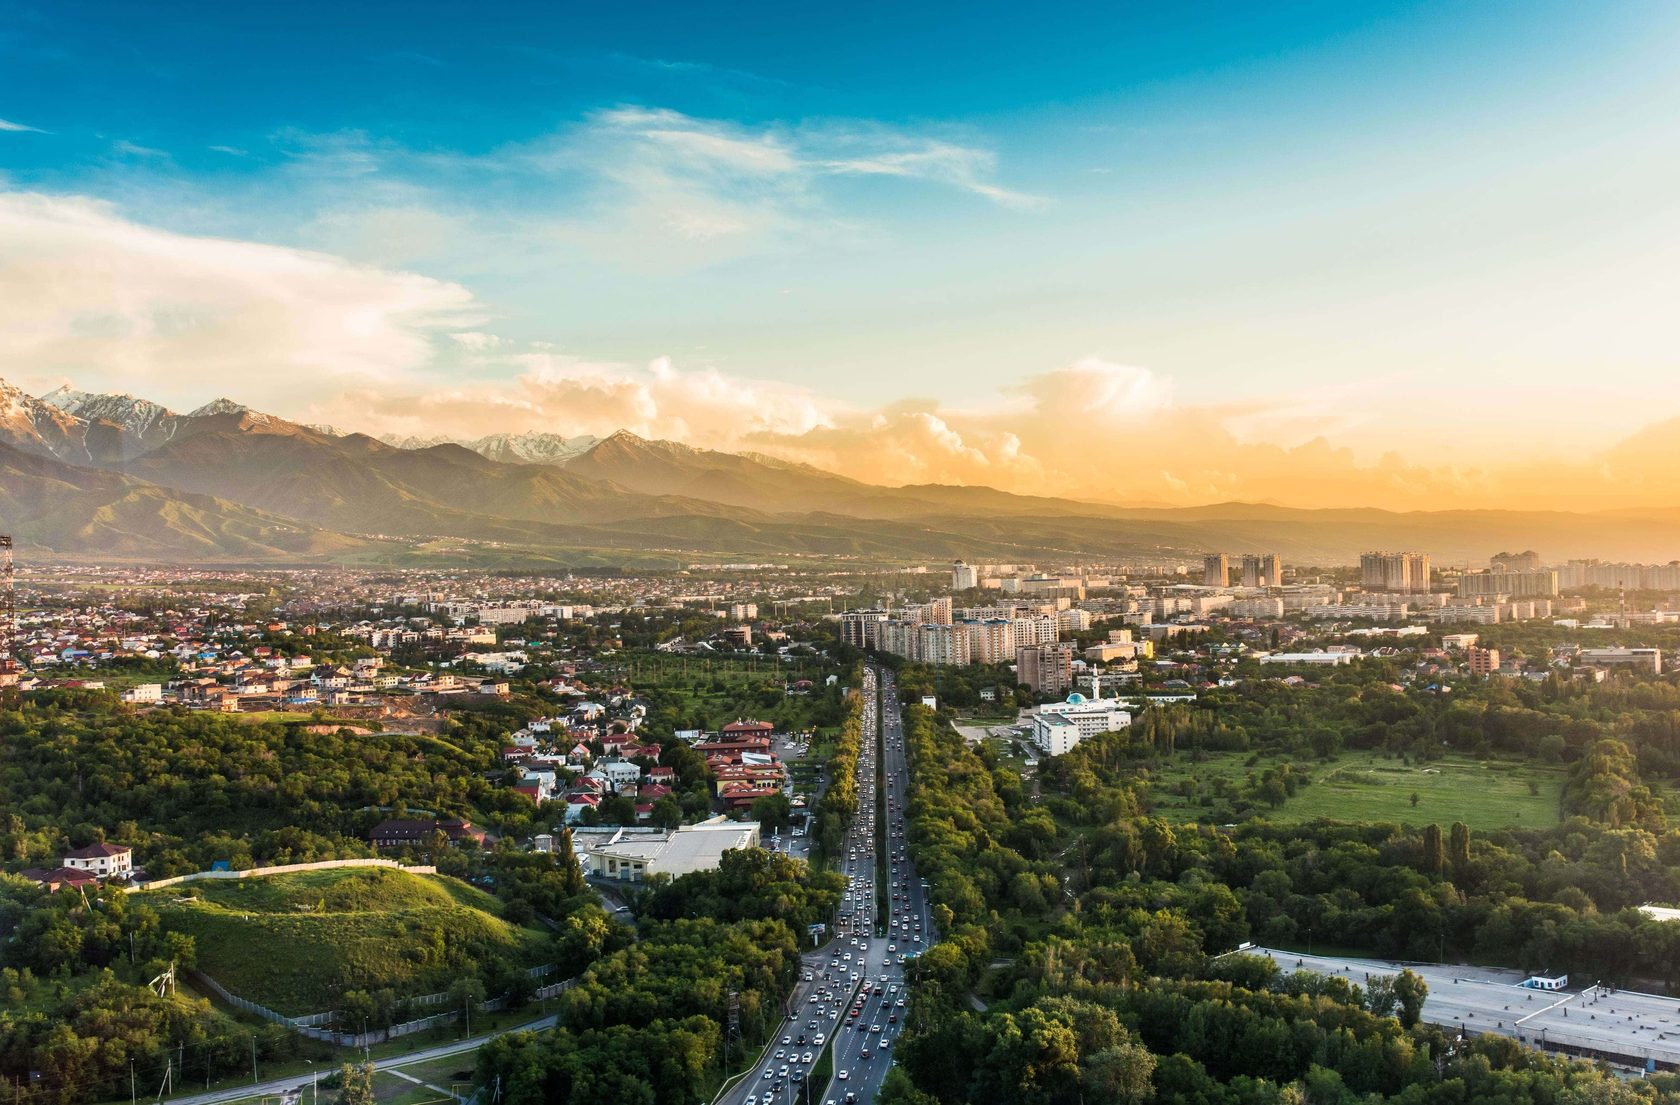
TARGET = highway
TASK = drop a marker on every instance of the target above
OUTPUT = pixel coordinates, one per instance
(853, 991)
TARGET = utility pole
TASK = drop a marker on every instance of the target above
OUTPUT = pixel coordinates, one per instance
(253, 1059)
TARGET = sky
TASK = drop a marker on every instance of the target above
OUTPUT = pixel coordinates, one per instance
(1323, 254)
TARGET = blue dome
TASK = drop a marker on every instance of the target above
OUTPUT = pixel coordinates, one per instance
(1076, 698)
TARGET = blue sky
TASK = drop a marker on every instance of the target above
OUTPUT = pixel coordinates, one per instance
(878, 237)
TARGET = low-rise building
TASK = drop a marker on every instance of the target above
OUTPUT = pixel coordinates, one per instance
(103, 860)
(632, 855)
(1059, 726)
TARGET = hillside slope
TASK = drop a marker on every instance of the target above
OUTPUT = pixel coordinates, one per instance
(296, 942)
(70, 509)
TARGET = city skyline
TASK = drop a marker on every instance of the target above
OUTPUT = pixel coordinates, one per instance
(1410, 256)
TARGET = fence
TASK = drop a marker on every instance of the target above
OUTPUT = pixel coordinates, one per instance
(311, 1024)
(257, 872)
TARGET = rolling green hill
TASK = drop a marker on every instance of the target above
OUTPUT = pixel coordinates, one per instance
(297, 942)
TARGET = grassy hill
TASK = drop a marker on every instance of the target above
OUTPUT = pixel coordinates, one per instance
(296, 942)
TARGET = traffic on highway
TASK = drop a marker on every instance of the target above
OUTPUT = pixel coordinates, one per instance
(853, 993)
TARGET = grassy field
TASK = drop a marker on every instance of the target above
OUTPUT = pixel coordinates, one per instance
(1365, 786)
(297, 942)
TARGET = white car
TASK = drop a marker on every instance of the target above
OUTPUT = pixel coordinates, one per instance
(843, 1075)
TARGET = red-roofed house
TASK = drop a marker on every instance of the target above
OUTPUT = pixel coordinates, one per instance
(59, 878)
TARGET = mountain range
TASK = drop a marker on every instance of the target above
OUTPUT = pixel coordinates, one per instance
(91, 474)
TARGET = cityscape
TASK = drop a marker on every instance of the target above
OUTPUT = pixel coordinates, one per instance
(839, 555)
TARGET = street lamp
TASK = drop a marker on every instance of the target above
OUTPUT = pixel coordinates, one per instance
(314, 1087)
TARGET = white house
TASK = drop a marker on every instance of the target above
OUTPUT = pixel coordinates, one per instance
(102, 860)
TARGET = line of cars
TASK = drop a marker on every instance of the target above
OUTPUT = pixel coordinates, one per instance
(855, 994)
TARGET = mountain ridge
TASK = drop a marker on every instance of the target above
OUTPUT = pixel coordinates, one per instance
(228, 480)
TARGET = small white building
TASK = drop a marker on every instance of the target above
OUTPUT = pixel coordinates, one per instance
(634, 854)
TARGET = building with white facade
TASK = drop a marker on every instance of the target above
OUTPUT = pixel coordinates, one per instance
(1059, 726)
(103, 860)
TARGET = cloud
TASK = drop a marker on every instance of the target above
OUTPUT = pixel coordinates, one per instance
(84, 291)
(89, 296)
(131, 149)
(19, 128)
(800, 155)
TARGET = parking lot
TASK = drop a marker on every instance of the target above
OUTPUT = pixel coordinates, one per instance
(1619, 1025)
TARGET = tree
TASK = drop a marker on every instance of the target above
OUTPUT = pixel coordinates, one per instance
(1118, 1075)
(1434, 852)
(1458, 850)
(356, 1084)
(1409, 991)
(773, 811)
(667, 813)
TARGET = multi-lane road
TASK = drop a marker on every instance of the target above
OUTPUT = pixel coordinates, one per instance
(853, 994)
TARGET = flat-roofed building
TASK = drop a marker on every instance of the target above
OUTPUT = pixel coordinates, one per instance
(634, 854)
(1059, 726)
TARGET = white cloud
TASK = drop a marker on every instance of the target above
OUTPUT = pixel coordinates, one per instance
(133, 149)
(87, 294)
(19, 128)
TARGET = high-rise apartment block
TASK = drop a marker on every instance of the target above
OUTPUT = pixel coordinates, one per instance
(1524, 583)
(1396, 572)
(1263, 570)
(1216, 570)
(1047, 669)
(964, 577)
(862, 628)
(1483, 661)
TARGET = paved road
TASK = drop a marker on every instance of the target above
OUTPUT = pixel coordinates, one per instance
(909, 926)
(278, 1086)
(861, 968)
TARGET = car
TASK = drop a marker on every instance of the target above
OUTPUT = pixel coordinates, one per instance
(786, 1040)
(820, 1040)
(783, 1072)
(768, 1074)
(875, 1028)
(899, 1002)
(781, 1055)
(864, 1054)
(809, 1057)
(752, 1099)
(843, 1075)
(892, 1018)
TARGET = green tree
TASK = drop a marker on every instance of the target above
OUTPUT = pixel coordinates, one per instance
(1409, 992)
(356, 1084)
